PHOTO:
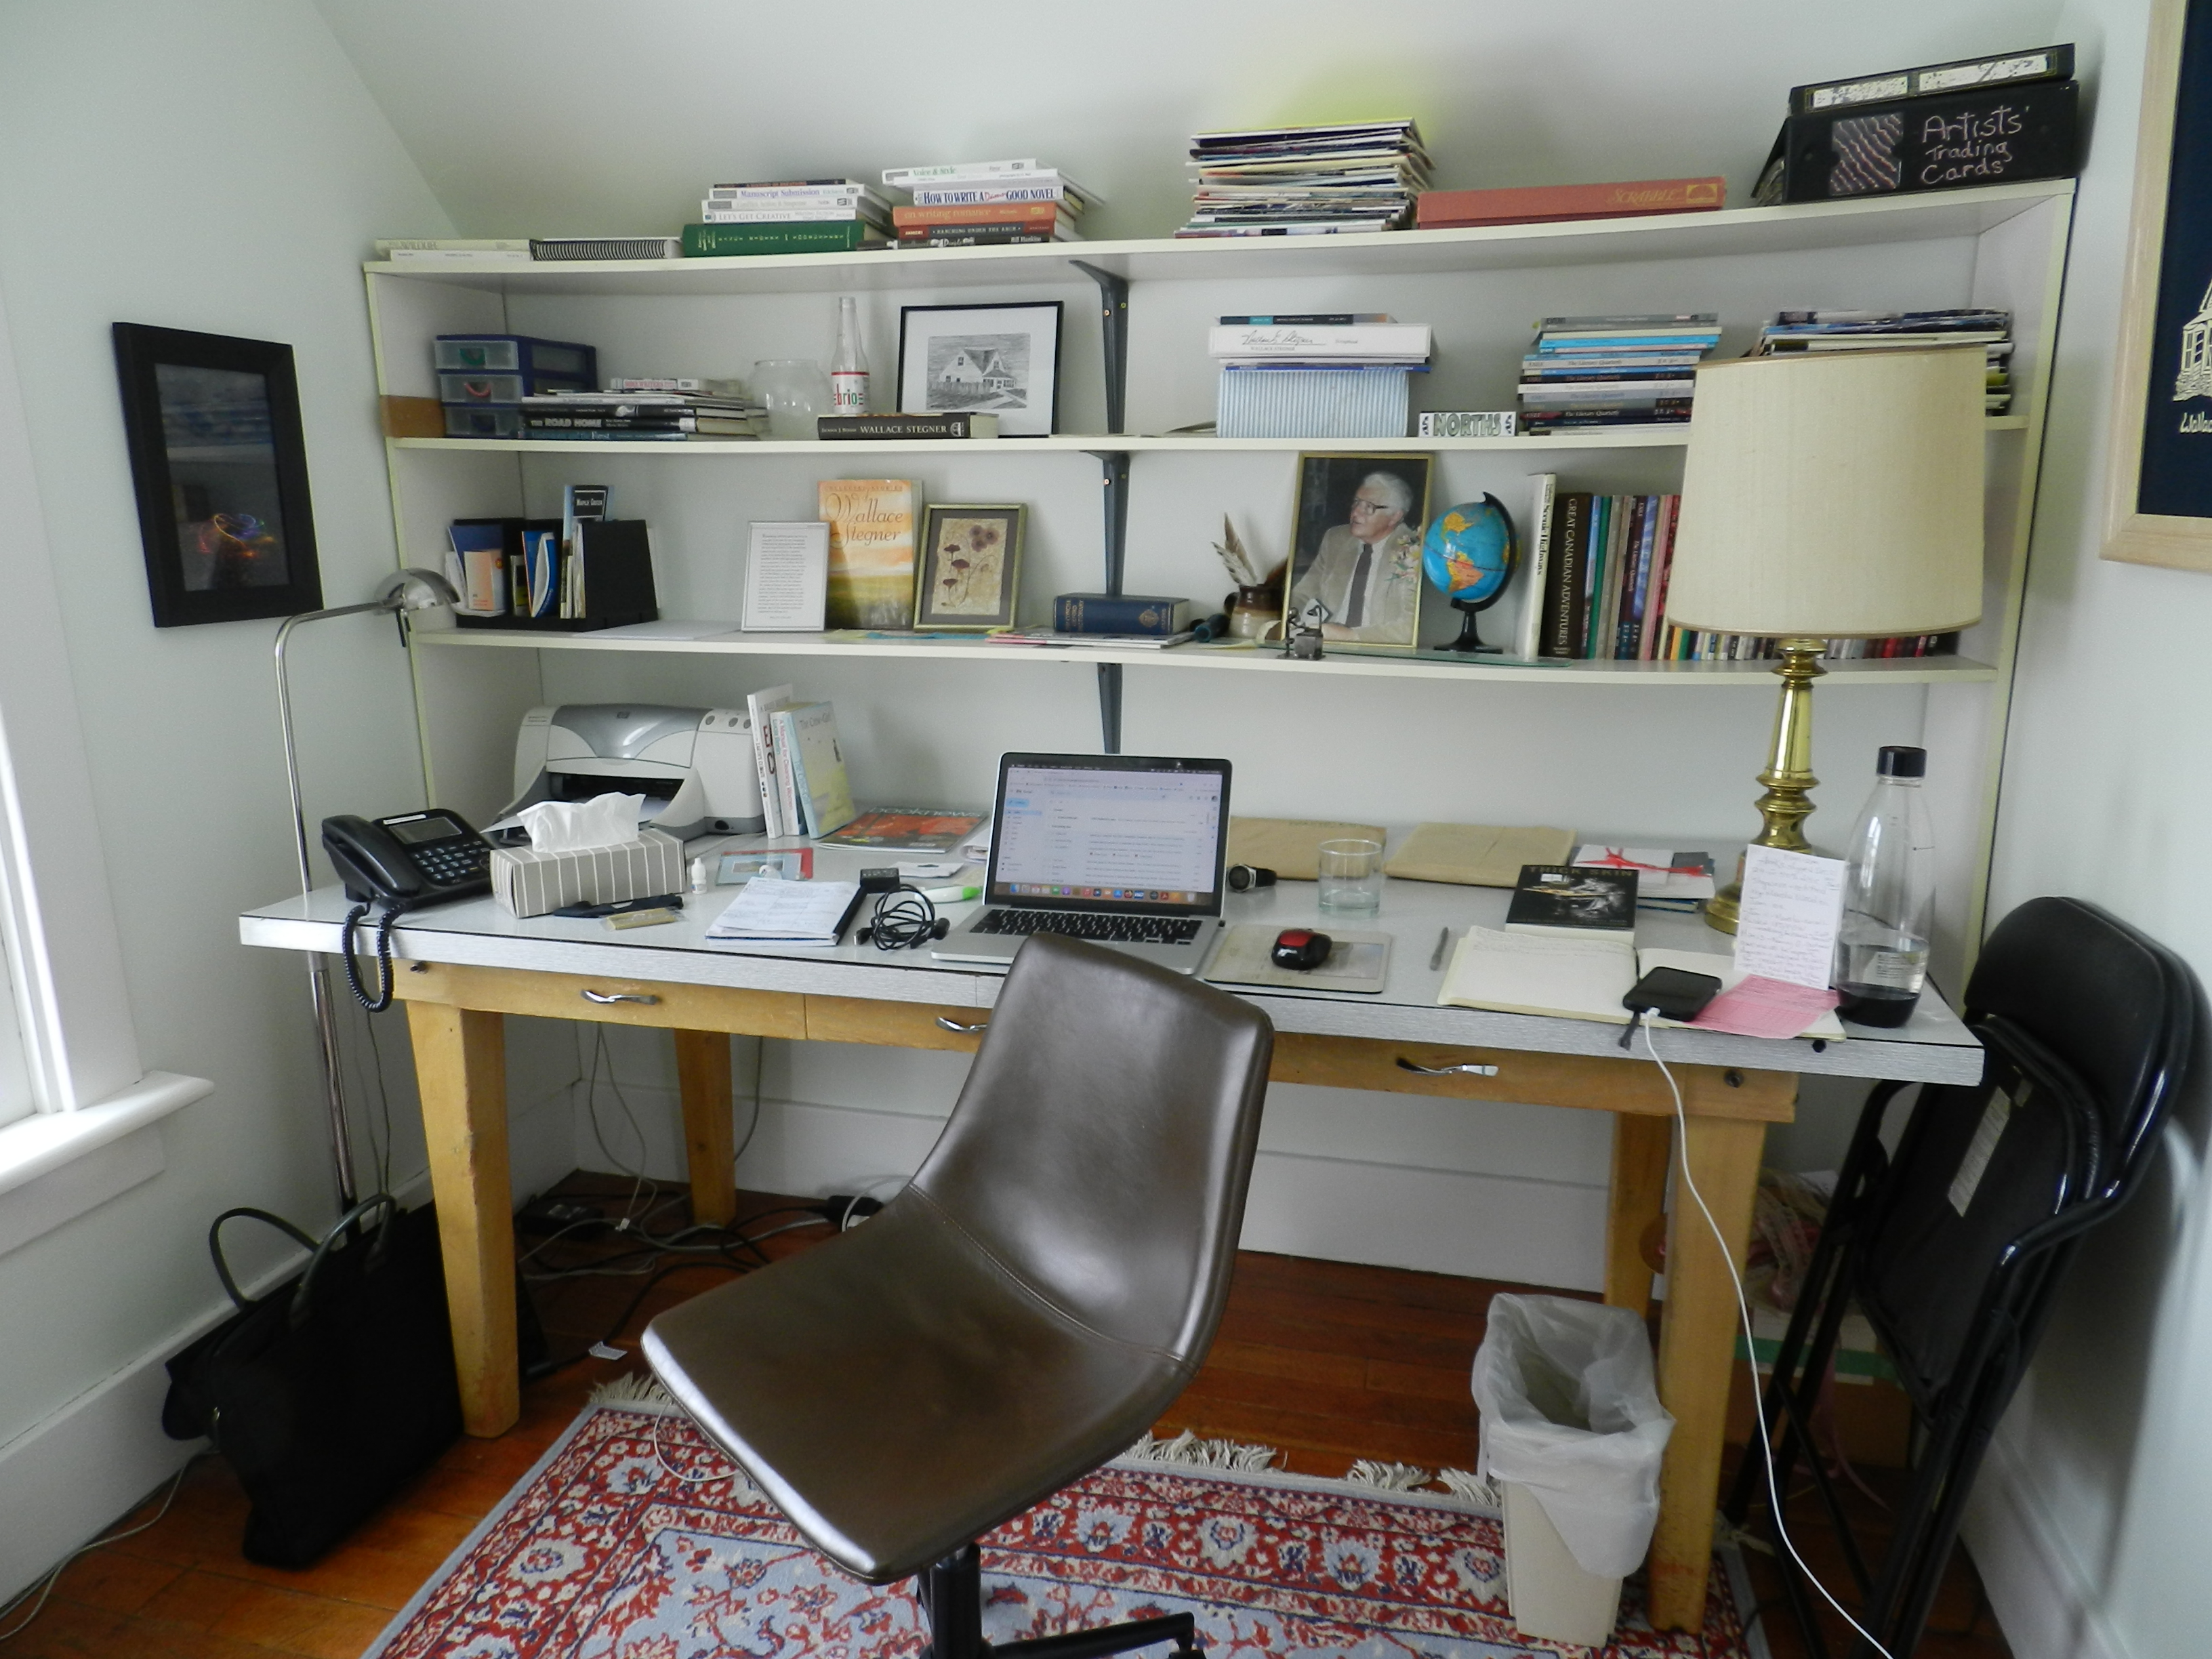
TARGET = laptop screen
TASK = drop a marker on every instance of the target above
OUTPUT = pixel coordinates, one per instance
(1110, 832)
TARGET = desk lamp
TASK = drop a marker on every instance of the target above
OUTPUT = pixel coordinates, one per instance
(401, 592)
(1827, 495)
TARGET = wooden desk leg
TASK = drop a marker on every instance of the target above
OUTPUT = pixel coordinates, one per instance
(1641, 1146)
(702, 1074)
(1696, 1354)
(460, 1069)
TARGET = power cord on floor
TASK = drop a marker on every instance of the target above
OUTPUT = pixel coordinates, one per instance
(1759, 1440)
(44, 1586)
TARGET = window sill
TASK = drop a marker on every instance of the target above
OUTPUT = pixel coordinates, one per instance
(56, 1166)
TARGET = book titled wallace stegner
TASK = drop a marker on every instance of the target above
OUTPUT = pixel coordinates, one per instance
(1573, 898)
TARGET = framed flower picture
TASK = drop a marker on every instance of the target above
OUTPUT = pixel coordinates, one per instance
(970, 568)
(213, 426)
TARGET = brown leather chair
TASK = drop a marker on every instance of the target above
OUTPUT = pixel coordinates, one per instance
(1028, 1306)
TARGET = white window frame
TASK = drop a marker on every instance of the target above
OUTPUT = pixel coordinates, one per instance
(72, 1001)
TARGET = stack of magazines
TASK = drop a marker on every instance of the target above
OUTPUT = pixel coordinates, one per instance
(1613, 371)
(1306, 181)
(662, 410)
(1902, 330)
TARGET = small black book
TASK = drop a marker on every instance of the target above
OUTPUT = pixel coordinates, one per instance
(1567, 898)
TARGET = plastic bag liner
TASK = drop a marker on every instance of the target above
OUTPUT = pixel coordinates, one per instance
(1569, 1411)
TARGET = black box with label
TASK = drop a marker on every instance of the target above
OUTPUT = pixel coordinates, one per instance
(1999, 136)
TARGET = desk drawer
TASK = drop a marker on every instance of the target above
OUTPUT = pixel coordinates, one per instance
(626, 1002)
(893, 1024)
(1591, 1081)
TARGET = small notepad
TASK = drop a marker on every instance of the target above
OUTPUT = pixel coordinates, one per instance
(789, 912)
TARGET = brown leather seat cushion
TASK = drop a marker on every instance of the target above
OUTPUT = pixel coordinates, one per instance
(899, 1394)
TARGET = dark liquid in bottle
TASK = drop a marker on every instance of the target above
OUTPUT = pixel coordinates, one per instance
(1875, 1005)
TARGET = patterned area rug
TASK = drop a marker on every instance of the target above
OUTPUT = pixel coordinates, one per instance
(635, 1538)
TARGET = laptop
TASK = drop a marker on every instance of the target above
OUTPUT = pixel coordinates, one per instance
(1124, 851)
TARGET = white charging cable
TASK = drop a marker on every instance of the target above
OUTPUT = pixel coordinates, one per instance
(1751, 1347)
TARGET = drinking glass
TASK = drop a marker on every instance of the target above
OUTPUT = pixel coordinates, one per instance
(796, 391)
(1351, 876)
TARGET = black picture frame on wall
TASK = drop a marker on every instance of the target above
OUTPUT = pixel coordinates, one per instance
(212, 423)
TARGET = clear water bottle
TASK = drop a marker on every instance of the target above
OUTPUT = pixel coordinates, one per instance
(1889, 897)
(849, 368)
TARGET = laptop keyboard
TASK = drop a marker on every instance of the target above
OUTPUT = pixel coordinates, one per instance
(1080, 924)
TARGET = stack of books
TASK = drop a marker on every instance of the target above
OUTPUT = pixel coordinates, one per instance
(1306, 181)
(1902, 330)
(790, 215)
(1613, 371)
(1342, 375)
(651, 411)
(987, 203)
(1598, 575)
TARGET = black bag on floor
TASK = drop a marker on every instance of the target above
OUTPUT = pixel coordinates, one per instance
(331, 1391)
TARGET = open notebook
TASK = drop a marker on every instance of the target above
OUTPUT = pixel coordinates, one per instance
(1574, 976)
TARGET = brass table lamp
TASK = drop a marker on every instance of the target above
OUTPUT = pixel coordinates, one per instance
(1827, 495)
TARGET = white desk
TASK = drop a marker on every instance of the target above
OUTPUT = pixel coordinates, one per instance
(466, 966)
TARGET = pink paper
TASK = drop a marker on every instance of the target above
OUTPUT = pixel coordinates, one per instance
(1765, 1008)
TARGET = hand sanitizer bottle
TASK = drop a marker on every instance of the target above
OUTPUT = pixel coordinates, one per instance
(849, 369)
(1889, 897)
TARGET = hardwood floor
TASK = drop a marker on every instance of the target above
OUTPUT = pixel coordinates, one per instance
(1327, 1362)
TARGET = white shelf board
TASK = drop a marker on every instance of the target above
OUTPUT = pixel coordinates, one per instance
(1901, 671)
(1802, 227)
(1670, 437)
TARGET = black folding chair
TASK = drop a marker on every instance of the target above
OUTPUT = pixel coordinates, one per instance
(1954, 1246)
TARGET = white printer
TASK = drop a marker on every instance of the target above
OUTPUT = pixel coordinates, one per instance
(695, 766)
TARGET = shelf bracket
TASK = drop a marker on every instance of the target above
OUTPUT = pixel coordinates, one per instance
(1113, 315)
(1114, 463)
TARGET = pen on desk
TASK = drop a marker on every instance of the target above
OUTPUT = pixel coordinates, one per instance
(1437, 955)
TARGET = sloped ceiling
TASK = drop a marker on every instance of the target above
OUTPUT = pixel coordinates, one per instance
(583, 117)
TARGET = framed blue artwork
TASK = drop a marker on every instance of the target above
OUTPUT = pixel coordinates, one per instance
(2159, 500)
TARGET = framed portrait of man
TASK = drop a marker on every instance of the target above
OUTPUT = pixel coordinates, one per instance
(1356, 548)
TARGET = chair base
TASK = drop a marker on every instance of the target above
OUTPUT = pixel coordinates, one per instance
(952, 1599)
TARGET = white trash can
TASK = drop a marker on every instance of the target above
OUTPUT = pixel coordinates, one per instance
(1572, 1432)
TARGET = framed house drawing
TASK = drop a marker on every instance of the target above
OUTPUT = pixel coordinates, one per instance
(2158, 503)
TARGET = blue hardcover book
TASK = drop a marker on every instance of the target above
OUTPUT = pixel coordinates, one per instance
(1119, 613)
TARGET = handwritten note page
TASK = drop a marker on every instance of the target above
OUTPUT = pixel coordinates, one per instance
(1793, 903)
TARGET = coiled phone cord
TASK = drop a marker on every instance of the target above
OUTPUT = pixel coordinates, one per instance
(382, 999)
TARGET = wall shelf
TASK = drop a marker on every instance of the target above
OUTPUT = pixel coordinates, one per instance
(1671, 437)
(1807, 227)
(1426, 666)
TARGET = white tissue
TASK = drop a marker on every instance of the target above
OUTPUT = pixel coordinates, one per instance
(579, 826)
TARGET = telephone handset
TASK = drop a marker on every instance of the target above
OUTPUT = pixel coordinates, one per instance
(404, 863)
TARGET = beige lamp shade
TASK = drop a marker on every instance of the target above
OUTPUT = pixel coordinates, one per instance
(1833, 494)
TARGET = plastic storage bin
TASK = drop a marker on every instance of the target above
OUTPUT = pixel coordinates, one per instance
(1572, 1432)
(1313, 402)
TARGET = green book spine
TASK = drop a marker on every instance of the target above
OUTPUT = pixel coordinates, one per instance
(823, 236)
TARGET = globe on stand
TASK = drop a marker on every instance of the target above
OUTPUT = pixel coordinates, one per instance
(1469, 556)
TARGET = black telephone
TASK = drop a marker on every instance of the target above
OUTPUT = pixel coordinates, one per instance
(403, 862)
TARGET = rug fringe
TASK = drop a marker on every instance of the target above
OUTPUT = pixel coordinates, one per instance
(1389, 1477)
(1188, 1450)
(638, 1391)
(1465, 1483)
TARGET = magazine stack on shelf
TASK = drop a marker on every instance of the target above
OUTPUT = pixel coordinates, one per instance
(988, 204)
(653, 410)
(1613, 371)
(1902, 330)
(1306, 181)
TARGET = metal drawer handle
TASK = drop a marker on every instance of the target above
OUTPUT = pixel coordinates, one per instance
(964, 1031)
(603, 996)
(1406, 1065)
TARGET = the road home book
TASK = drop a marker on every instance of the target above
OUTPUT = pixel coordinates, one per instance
(871, 527)
(1568, 898)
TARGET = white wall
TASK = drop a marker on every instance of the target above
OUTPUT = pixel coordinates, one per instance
(219, 167)
(2091, 1523)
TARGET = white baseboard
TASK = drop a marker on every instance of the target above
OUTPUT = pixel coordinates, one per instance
(2043, 1606)
(70, 1475)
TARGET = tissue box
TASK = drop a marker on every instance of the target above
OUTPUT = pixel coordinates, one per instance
(529, 883)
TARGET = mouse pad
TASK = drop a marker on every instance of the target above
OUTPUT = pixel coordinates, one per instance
(1359, 960)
